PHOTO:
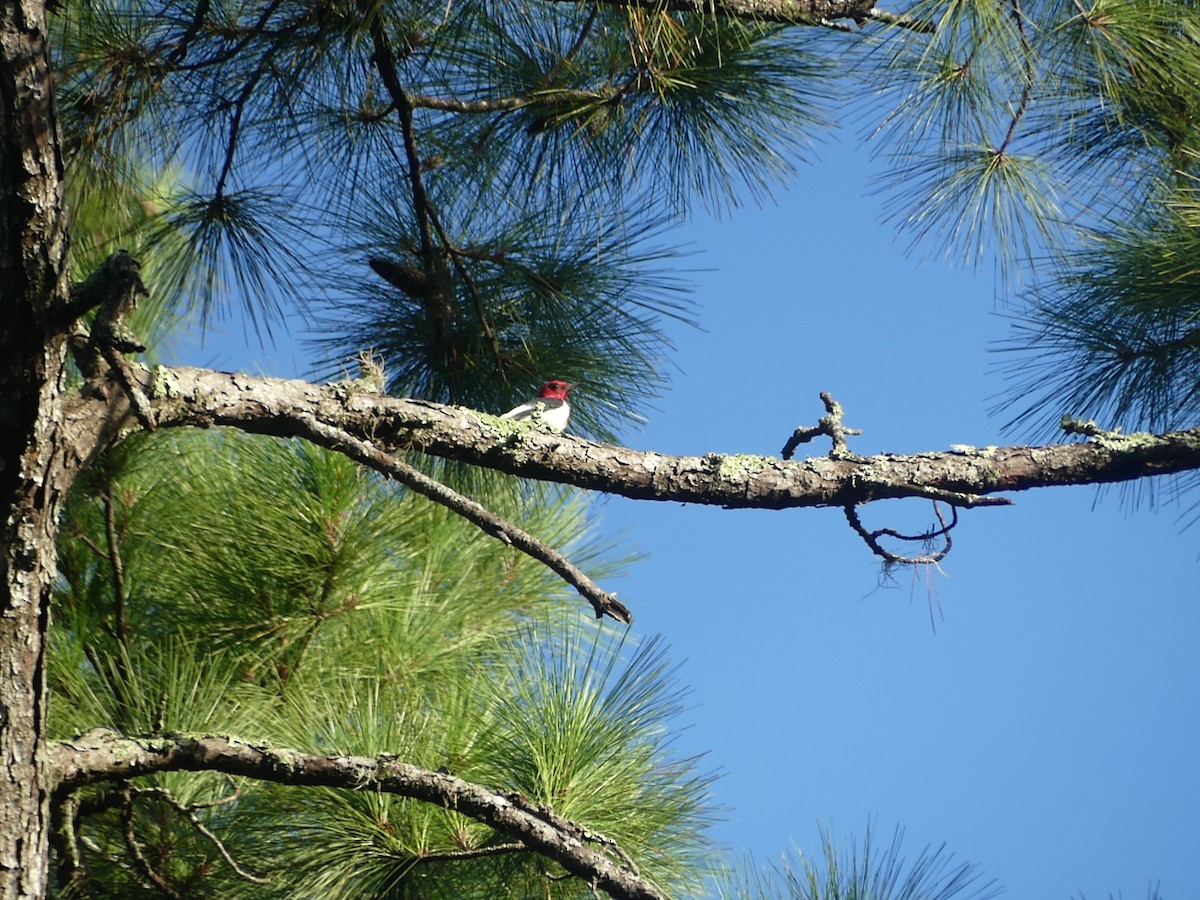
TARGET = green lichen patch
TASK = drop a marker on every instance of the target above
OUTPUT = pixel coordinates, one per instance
(742, 465)
(165, 384)
(498, 427)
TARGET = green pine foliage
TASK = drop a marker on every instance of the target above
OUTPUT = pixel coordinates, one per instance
(482, 193)
(552, 143)
(858, 871)
(1059, 140)
(221, 584)
(1110, 332)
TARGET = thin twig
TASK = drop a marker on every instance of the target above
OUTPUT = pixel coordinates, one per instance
(155, 877)
(235, 123)
(188, 812)
(385, 63)
(258, 29)
(1030, 74)
(957, 498)
(116, 566)
(181, 48)
(477, 853)
(423, 210)
(87, 541)
(223, 801)
(569, 56)
(473, 289)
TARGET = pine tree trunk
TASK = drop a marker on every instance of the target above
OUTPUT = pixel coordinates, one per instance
(32, 489)
(33, 478)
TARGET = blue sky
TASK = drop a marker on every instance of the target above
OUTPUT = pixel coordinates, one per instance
(1047, 729)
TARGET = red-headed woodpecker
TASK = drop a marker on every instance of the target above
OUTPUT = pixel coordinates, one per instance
(549, 409)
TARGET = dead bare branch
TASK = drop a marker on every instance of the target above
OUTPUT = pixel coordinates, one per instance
(871, 538)
(361, 451)
(829, 424)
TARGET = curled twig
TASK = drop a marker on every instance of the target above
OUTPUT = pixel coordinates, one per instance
(872, 537)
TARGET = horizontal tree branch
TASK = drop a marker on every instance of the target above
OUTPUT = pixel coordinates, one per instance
(547, 98)
(271, 406)
(103, 755)
(784, 12)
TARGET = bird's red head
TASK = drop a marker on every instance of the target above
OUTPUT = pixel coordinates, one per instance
(556, 390)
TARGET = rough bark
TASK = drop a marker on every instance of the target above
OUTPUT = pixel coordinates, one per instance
(788, 12)
(32, 477)
(966, 476)
(102, 755)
